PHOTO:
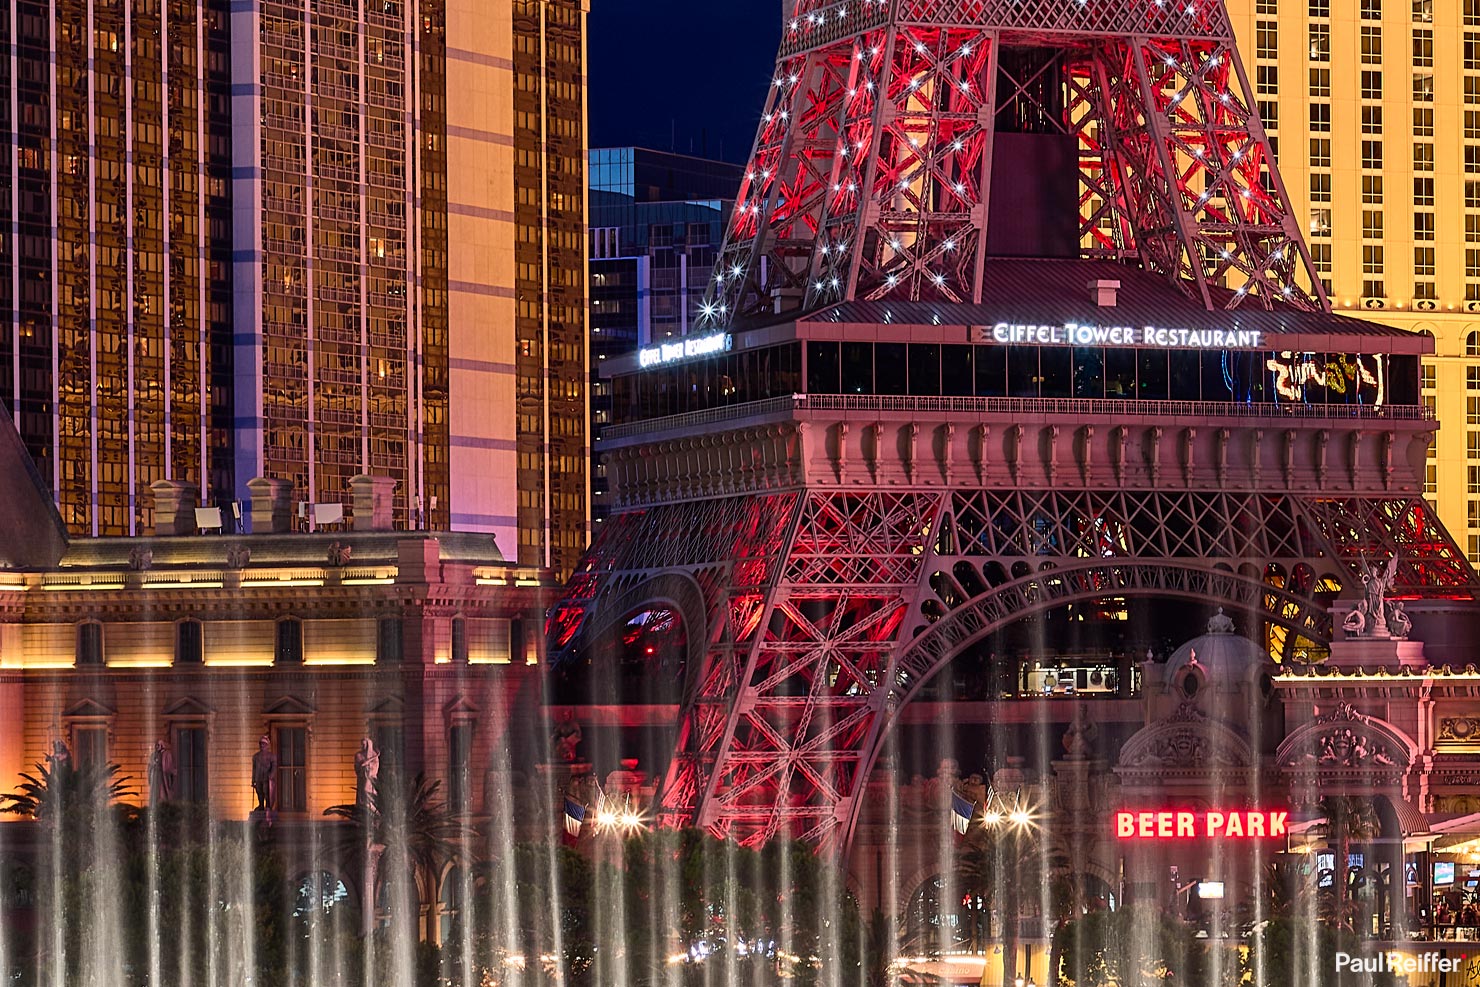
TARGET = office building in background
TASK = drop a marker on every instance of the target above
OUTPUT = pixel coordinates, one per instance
(657, 220)
(264, 242)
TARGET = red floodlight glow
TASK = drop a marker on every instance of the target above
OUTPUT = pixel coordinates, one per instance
(1184, 824)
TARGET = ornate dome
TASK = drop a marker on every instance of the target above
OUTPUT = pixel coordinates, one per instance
(1223, 655)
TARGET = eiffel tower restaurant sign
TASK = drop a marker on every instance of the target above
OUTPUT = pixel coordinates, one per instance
(1088, 334)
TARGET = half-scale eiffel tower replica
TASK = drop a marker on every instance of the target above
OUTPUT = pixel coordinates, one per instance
(1012, 325)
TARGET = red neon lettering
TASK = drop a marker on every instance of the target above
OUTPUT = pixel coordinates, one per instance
(1169, 824)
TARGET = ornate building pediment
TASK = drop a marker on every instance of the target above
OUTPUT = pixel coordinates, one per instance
(1187, 742)
(88, 709)
(1347, 743)
(187, 708)
(288, 707)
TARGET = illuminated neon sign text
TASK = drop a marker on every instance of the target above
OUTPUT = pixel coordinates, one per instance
(1187, 824)
(1078, 334)
(684, 349)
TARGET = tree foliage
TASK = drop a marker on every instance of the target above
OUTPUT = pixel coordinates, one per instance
(1139, 946)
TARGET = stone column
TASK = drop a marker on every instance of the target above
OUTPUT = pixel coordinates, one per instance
(175, 502)
(272, 504)
(374, 499)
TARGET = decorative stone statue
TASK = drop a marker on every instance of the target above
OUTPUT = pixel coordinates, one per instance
(264, 776)
(1377, 615)
(1080, 737)
(1220, 623)
(237, 556)
(140, 558)
(1399, 623)
(339, 554)
(367, 772)
(161, 773)
(566, 738)
(60, 757)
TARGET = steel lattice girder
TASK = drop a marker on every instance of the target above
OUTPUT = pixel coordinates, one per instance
(824, 612)
(870, 172)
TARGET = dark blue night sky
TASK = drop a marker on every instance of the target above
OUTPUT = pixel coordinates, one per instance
(683, 75)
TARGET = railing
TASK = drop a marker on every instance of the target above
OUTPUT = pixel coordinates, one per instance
(1068, 407)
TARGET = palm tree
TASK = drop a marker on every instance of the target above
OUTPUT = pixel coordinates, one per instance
(69, 795)
(1348, 817)
(404, 828)
(1012, 857)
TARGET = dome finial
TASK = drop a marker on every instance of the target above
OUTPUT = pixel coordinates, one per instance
(1220, 623)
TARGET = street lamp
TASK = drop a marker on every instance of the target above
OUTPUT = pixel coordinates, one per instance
(1014, 816)
(619, 818)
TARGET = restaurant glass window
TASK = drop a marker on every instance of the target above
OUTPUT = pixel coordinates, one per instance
(858, 368)
(1089, 372)
(1055, 372)
(822, 368)
(955, 370)
(924, 369)
(1120, 373)
(1215, 385)
(1022, 372)
(1185, 373)
(891, 371)
(990, 370)
(1151, 374)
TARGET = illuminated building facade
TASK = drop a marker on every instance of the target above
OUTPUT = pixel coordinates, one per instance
(1374, 110)
(277, 641)
(264, 242)
(550, 312)
(411, 280)
(116, 260)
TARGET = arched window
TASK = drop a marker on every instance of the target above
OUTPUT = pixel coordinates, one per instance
(90, 643)
(459, 641)
(951, 916)
(388, 641)
(1472, 343)
(454, 892)
(289, 649)
(189, 643)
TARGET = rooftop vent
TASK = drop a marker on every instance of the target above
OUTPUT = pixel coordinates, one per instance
(1104, 292)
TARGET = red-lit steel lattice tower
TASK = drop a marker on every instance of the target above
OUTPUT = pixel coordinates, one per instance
(804, 549)
(872, 167)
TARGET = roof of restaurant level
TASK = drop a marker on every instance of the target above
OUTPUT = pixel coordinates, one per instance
(1050, 292)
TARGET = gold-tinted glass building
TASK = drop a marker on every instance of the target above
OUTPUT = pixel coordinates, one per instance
(1374, 106)
(410, 263)
(115, 250)
(301, 240)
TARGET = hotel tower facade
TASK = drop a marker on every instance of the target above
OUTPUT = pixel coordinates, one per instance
(1373, 108)
(306, 242)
